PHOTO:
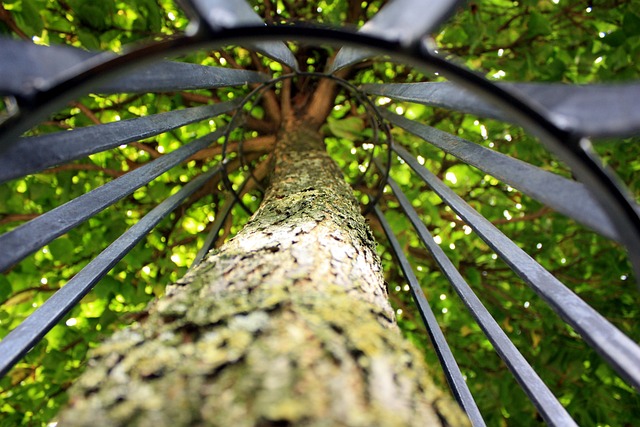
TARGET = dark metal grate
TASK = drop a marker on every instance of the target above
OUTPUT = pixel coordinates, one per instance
(38, 80)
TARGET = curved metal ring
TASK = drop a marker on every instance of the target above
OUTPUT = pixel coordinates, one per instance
(376, 120)
(245, 100)
(374, 117)
(570, 146)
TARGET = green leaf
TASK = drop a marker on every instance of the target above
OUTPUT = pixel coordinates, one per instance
(474, 277)
(615, 38)
(150, 10)
(62, 249)
(95, 15)
(350, 128)
(88, 39)
(538, 25)
(5, 288)
(631, 24)
(31, 16)
(555, 70)
(618, 59)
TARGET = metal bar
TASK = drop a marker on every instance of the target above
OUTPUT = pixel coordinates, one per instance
(33, 154)
(597, 110)
(173, 76)
(236, 198)
(218, 222)
(27, 68)
(19, 341)
(36, 233)
(212, 236)
(568, 197)
(402, 20)
(549, 407)
(452, 372)
(615, 347)
(221, 14)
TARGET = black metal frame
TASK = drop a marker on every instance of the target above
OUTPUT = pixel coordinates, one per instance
(568, 144)
(616, 215)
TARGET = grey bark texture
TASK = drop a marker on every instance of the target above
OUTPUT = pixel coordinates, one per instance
(287, 324)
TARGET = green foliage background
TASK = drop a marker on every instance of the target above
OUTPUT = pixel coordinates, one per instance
(524, 40)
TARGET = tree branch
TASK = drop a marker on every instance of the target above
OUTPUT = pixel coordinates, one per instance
(6, 219)
(84, 167)
(5, 16)
(322, 100)
(258, 144)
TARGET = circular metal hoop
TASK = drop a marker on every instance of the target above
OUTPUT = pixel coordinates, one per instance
(375, 119)
(573, 148)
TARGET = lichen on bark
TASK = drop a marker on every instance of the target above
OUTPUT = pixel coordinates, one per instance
(287, 324)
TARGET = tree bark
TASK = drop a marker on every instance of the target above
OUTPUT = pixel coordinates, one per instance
(286, 324)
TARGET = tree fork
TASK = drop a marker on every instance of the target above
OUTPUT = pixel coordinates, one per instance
(288, 323)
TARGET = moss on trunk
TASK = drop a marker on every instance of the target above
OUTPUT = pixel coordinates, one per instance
(286, 324)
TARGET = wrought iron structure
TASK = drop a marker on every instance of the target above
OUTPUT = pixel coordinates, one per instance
(36, 81)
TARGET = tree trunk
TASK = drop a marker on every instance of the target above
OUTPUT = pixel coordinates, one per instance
(286, 324)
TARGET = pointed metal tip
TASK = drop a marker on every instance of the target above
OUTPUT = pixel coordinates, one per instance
(278, 51)
(290, 59)
(348, 56)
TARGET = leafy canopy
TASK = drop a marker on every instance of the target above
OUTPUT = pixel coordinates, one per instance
(525, 40)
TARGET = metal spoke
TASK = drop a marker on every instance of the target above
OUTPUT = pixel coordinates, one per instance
(33, 154)
(452, 372)
(400, 20)
(550, 408)
(218, 223)
(615, 347)
(172, 76)
(19, 341)
(593, 110)
(36, 233)
(220, 14)
(27, 68)
(568, 197)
